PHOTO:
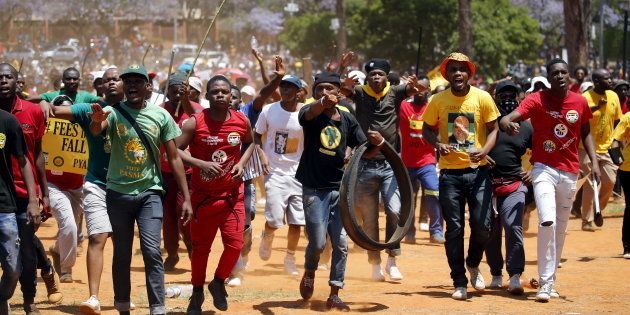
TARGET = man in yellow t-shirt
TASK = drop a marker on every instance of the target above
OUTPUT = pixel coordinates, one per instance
(604, 104)
(461, 122)
(621, 138)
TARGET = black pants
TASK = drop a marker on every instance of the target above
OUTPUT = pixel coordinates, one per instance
(458, 188)
(625, 230)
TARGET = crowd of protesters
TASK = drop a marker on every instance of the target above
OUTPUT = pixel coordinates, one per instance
(178, 155)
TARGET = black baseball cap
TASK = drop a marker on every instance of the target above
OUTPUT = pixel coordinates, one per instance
(505, 85)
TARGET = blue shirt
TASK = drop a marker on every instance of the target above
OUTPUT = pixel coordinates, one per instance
(100, 147)
(250, 112)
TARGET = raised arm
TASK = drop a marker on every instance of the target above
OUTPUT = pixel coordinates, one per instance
(272, 86)
(329, 100)
(259, 57)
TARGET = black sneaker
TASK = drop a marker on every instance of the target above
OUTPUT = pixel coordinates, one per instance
(306, 285)
(219, 295)
(195, 303)
(334, 302)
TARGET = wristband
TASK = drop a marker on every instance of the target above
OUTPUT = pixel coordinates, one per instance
(321, 100)
(380, 144)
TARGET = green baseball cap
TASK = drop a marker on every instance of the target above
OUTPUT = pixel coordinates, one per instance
(135, 70)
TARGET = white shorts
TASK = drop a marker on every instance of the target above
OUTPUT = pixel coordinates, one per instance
(95, 209)
(284, 199)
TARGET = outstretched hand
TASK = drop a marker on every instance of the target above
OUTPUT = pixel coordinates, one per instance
(98, 115)
(415, 86)
(280, 70)
(346, 59)
(330, 99)
(258, 55)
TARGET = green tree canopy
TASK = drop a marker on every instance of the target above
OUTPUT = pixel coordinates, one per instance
(502, 33)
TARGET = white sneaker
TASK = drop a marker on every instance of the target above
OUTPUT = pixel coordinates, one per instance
(289, 265)
(264, 251)
(424, 226)
(554, 293)
(91, 306)
(392, 270)
(497, 282)
(544, 293)
(377, 273)
(460, 293)
(626, 255)
(515, 286)
(132, 306)
(233, 281)
(476, 279)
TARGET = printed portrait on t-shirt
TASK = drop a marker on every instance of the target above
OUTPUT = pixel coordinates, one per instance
(280, 143)
(461, 130)
(284, 144)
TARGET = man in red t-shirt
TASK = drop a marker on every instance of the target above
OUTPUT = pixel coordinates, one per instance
(419, 158)
(560, 118)
(31, 119)
(66, 199)
(216, 136)
(172, 226)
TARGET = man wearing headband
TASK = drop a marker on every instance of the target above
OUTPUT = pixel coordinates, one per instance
(461, 122)
(377, 108)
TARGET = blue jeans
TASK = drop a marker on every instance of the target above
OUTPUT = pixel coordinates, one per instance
(28, 253)
(376, 178)
(427, 177)
(146, 210)
(510, 217)
(9, 255)
(321, 214)
(458, 187)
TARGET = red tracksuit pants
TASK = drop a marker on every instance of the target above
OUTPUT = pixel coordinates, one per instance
(213, 214)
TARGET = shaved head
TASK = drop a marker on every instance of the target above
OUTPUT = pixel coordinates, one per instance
(8, 66)
(599, 74)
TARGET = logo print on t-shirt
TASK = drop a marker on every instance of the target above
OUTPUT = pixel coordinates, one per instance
(461, 130)
(280, 142)
(121, 129)
(561, 130)
(234, 138)
(330, 137)
(3, 140)
(549, 146)
(219, 156)
(572, 116)
(135, 152)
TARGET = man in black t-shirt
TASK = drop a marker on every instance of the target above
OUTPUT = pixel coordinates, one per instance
(328, 131)
(12, 145)
(509, 183)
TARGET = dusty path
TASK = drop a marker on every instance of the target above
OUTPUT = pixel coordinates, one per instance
(594, 279)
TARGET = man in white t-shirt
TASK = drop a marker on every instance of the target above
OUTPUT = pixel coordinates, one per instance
(283, 146)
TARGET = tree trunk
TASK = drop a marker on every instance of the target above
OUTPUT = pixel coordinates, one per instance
(342, 42)
(577, 23)
(465, 28)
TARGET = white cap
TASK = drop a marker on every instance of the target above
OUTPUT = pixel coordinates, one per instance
(535, 80)
(97, 74)
(358, 74)
(585, 86)
(249, 90)
(195, 83)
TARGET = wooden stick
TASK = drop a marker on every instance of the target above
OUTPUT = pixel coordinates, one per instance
(146, 52)
(200, 47)
(168, 76)
(20, 66)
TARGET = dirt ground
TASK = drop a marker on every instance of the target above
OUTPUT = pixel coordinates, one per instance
(593, 279)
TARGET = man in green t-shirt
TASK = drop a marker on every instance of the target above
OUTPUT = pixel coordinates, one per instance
(134, 183)
(70, 79)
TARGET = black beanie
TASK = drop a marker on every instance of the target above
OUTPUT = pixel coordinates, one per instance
(327, 77)
(377, 63)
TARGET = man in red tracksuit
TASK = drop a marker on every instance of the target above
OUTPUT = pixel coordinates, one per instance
(214, 137)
